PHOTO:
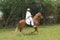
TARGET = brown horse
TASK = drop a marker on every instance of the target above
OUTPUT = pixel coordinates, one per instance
(36, 18)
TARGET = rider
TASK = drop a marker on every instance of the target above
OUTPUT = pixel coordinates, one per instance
(29, 19)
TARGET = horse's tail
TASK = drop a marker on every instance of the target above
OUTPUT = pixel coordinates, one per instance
(17, 27)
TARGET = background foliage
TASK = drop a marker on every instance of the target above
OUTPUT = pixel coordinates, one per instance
(14, 10)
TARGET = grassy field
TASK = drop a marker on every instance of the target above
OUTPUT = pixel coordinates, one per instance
(46, 32)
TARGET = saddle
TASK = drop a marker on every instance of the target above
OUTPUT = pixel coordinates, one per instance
(29, 25)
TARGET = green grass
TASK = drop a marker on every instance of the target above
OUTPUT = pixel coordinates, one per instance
(46, 32)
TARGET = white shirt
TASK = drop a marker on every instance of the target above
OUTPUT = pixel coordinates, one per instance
(28, 14)
(29, 18)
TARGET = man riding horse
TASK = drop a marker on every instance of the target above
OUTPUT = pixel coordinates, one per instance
(29, 19)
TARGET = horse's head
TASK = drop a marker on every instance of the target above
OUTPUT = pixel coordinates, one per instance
(39, 15)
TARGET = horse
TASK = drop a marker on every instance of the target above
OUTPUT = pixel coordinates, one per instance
(36, 18)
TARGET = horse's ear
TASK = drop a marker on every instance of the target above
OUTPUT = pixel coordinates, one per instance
(39, 13)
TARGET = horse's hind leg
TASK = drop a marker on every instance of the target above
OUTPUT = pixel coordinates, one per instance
(21, 28)
(16, 28)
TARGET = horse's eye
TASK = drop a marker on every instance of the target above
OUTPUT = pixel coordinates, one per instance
(38, 16)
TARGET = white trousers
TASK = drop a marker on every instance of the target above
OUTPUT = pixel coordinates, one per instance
(30, 20)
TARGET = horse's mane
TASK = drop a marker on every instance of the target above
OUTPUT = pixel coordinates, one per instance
(35, 16)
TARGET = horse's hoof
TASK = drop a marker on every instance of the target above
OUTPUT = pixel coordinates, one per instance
(21, 33)
(34, 32)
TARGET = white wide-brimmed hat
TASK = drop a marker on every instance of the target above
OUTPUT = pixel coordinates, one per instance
(28, 8)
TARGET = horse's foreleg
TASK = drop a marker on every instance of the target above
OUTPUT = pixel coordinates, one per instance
(35, 29)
